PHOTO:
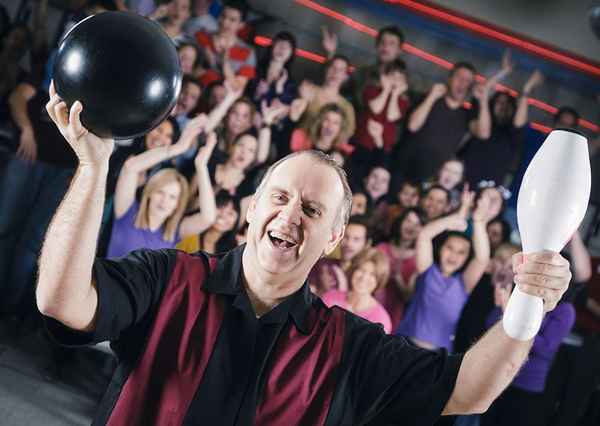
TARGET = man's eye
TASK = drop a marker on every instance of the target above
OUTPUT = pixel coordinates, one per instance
(279, 197)
(311, 211)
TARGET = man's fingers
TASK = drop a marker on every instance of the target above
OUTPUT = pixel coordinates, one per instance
(517, 260)
(545, 281)
(52, 90)
(531, 267)
(75, 119)
(549, 257)
(61, 114)
(54, 100)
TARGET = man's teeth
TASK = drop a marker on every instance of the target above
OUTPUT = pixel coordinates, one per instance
(289, 241)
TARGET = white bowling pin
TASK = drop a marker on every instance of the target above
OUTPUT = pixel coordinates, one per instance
(552, 202)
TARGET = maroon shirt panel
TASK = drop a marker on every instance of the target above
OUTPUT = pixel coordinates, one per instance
(305, 372)
(162, 385)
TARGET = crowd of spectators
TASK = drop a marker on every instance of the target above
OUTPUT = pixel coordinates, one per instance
(427, 251)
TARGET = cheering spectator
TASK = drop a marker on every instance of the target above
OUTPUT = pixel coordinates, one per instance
(313, 97)
(189, 57)
(403, 267)
(386, 103)
(188, 100)
(440, 122)
(221, 235)
(158, 220)
(273, 79)
(201, 19)
(227, 55)
(377, 185)
(435, 202)
(328, 273)
(498, 232)
(480, 303)
(359, 203)
(523, 402)
(496, 158)
(172, 18)
(325, 133)
(388, 45)
(449, 177)
(368, 273)
(446, 275)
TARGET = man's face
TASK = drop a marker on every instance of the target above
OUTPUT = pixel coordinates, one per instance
(389, 48)
(355, 239)
(377, 183)
(460, 84)
(230, 21)
(293, 222)
(435, 203)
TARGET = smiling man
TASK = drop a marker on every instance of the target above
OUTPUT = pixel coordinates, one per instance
(240, 339)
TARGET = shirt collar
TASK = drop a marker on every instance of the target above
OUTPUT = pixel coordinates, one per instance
(226, 279)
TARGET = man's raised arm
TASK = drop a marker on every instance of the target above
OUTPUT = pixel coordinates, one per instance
(65, 290)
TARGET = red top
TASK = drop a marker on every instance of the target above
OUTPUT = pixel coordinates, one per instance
(390, 128)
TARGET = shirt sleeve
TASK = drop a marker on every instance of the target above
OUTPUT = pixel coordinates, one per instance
(129, 288)
(397, 382)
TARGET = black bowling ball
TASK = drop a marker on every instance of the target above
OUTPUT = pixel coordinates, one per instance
(123, 68)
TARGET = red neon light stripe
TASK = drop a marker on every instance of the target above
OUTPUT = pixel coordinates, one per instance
(491, 32)
(428, 56)
(336, 15)
(540, 127)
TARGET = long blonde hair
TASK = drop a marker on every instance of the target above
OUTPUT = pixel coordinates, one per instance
(164, 176)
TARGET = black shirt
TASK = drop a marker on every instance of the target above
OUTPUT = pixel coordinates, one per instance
(437, 140)
(192, 352)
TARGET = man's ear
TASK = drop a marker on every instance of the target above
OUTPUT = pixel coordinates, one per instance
(251, 209)
(337, 233)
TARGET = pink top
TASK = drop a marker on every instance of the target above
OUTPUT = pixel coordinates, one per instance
(389, 296)
(376, 314)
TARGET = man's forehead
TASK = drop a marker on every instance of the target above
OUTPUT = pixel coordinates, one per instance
(314, 179)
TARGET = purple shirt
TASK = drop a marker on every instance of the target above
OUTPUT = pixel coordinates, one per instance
(435, 308)
(555, 327)
(125, 237)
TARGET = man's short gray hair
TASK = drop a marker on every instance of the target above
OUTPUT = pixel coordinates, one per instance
(327, 160)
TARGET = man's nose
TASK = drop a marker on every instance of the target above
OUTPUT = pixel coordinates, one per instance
(291, 213)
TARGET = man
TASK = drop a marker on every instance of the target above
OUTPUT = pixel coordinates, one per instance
(440, 122)
(225, 52)
(388, 45)
(435, 202)
(241, 340)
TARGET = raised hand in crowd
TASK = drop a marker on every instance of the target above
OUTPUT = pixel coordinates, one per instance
(536, 79)
(437, 91)
(297, 108)
(375, 129)
(329, 41)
